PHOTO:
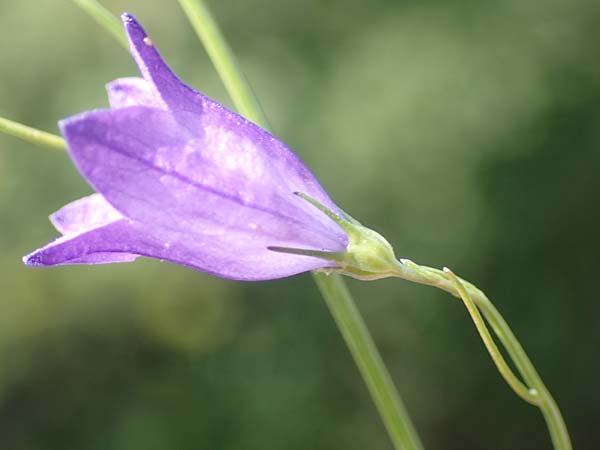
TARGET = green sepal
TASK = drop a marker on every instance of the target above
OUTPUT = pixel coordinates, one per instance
(368, 255)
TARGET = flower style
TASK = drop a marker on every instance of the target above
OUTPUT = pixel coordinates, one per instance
(181, 178)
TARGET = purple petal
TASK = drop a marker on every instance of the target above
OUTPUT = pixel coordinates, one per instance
(131, 92)
(175, 95)
(206, 113)
(122, 240)
(182, 178)
(83, 214)
(231, 178)
(82, 248)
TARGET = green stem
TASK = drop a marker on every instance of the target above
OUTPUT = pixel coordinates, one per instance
(559, 434)
(224, 61)
(370, 364)
(550, 410)
(32, 135)
(333, 288)
(105, 18)
(501, 364)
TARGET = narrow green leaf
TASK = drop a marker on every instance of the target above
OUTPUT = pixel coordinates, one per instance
(32, 135)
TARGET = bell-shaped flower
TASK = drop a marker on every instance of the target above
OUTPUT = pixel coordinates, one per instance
(181, 178)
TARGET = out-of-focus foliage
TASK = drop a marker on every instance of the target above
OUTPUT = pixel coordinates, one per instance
(467, 132)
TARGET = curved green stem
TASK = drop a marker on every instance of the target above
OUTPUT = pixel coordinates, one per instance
(559, 434)
(32, 135)
(501, 364)
(550, 410)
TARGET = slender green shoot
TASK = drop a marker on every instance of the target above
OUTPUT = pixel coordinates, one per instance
(105, 18)
(550, 410)
(557, 428)
(501, 364)
(32, 135)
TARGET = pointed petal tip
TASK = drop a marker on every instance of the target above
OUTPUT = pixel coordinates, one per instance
(33, 259)
(133, 28)
(48, 257)
(65, 125)
(128, 18)
(72, 124)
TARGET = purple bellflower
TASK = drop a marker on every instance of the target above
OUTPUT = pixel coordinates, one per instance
(181, 178)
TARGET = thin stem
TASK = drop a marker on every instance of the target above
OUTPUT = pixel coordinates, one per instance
(370, 364)
(333, 288)
(503, 367)
(559, 434)
(224, 61)
(552, 415)
(32, 135)
(105, 18)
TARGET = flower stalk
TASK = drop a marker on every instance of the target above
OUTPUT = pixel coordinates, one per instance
(548, 406)
(530, 396)
(369, 257)
(536, 392)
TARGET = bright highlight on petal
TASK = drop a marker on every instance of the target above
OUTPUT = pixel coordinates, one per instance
(181, 178)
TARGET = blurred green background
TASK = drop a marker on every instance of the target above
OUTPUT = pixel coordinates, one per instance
(466, 132)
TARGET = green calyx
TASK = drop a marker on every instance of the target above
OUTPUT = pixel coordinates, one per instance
(368, 255)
